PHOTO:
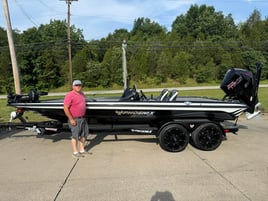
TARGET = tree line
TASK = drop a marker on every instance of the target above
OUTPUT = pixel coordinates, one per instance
(201, 45)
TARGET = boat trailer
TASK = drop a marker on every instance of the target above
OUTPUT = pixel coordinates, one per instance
(39, 127)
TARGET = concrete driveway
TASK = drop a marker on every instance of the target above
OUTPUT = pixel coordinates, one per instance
(134, 168)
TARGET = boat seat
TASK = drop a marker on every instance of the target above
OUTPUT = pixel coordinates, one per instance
(130, 94)
(163, 95)
(173, 95)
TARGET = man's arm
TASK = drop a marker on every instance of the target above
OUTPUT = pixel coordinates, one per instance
(69, 115)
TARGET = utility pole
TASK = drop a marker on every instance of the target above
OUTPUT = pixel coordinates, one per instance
(12, 49)
(69, 2)
(124, 63)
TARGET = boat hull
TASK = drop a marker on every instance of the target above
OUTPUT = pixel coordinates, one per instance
(111, 111)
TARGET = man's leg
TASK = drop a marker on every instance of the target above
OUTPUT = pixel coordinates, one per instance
(74, 145)
(82, 144)
(84, 134)
(76, 153)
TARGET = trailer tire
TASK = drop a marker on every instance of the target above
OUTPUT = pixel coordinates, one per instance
(42, 131)
(173, 138)
(207, 136)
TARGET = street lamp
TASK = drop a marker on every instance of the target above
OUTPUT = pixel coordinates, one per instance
(124, 63)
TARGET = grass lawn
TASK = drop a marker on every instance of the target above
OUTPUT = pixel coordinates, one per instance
(263, 98)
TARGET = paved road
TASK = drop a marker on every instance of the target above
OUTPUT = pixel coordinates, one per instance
(134, 168)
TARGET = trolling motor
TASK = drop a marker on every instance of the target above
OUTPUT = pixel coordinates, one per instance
(32, 97)
(242, 85)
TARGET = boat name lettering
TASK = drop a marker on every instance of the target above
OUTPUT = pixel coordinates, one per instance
(144, 113)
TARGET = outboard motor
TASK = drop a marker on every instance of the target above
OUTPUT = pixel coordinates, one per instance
(242, 85)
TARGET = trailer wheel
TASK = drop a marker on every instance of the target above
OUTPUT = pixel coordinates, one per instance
(42, 131)
(173, 138)
(207, 136)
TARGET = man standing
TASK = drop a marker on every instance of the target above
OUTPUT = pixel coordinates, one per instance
(75, 110)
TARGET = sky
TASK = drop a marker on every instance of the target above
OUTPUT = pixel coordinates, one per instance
(98, 18)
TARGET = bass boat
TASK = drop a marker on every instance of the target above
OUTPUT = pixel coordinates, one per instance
(175, 120)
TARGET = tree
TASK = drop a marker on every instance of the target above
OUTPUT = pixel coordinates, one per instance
(230, 28)
(138, 64)
(112, 63)
(224, 65)
(163, 67)
(204, 73)
(28, 53)
(144, 29)
(180, 67)
(80, 61)
(251, 57)
(42, 54)
(6, 76)
(5, 63)
(202, 22)
(253, 29)
(95, 75)
(118, 36)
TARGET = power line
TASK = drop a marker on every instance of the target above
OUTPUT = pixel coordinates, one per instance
(54, 11)
(45, 5)
(61, 44)
(25, 13)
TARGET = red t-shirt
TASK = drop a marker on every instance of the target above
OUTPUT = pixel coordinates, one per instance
(76, 102)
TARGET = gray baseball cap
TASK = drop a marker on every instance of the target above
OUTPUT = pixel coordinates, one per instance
(77, 82)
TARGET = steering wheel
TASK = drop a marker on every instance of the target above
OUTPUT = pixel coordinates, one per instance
(143, 97)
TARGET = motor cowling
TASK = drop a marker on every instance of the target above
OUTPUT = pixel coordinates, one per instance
(242, 85)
